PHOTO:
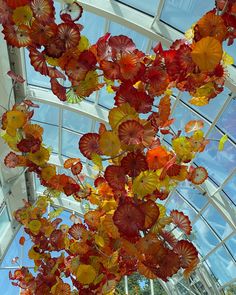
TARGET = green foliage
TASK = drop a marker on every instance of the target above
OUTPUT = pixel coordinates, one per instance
(139, 285)
(230, 290)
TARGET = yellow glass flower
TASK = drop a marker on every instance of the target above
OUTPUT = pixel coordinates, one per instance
(183, 148)
(109, 143)
(144, 183)
(33, 254)
(48, 172)
(108, 205)
(121, 114)
(42, 202)
(15, 119)
(22, 15)
(40, 157)
(86, 274)
(99, 241)
(83, 44)
(196, 140)
(24, 215)
(34, 226)
(52, 61)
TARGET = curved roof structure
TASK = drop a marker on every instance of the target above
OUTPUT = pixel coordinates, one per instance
(210, 206)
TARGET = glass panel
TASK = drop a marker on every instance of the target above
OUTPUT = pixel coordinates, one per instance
(50, 136)
(231, 50)
(176, 202)
(218, 164)
(46, 113)
(120, 288)
(211, 110)
(216, 220)
(9, 289)
(106, 99)
(137, 284)
(15, 250)
(182, 289)
(33, 77)
(183, 115)
(140, 40)
(193, 195)
(230, 289)
(203, 237)
(230, 189)
(4, 220)
(183, 13)
(231, 244)
(38, 187)
(149, 6)
(76, 122)
(94, 26)
(227, 121)
(70, 145)
(222, 265)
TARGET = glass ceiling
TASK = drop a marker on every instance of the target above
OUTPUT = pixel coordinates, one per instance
(210, 207)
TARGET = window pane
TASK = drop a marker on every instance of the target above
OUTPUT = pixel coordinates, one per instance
(149, 6)
(230, 189)
(4, 220)
(140, 40)
(183, 115)
(227, 121)
(176, 202)
(50, 136)
(218, 164)
(183, 13)
(76, 122)
(70, 145)
(204, 237)
(191, 194)
(94, 26)
(222, 265)
(231, 244)
(33, 77)
(217, 221)
(210, 110)
(106, 99)
(46, 113)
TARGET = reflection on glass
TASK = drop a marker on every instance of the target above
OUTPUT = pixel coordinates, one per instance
(231, 244)
(230, 189)
(33, 77)
(50, 136)
(183, 13)
(203, 237)
(216, 220)
(46, 113)
(176, 202)
(218, 164)
(140, 41)
(4, 220)
(106, 99)
(38, 187)
(149, 6)
(94, 26)
(222, 265)
(227, 121)
(76, 121)
(231, 50)
(183, 115)
(70, 142)
(192, 195)
(211, 110)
